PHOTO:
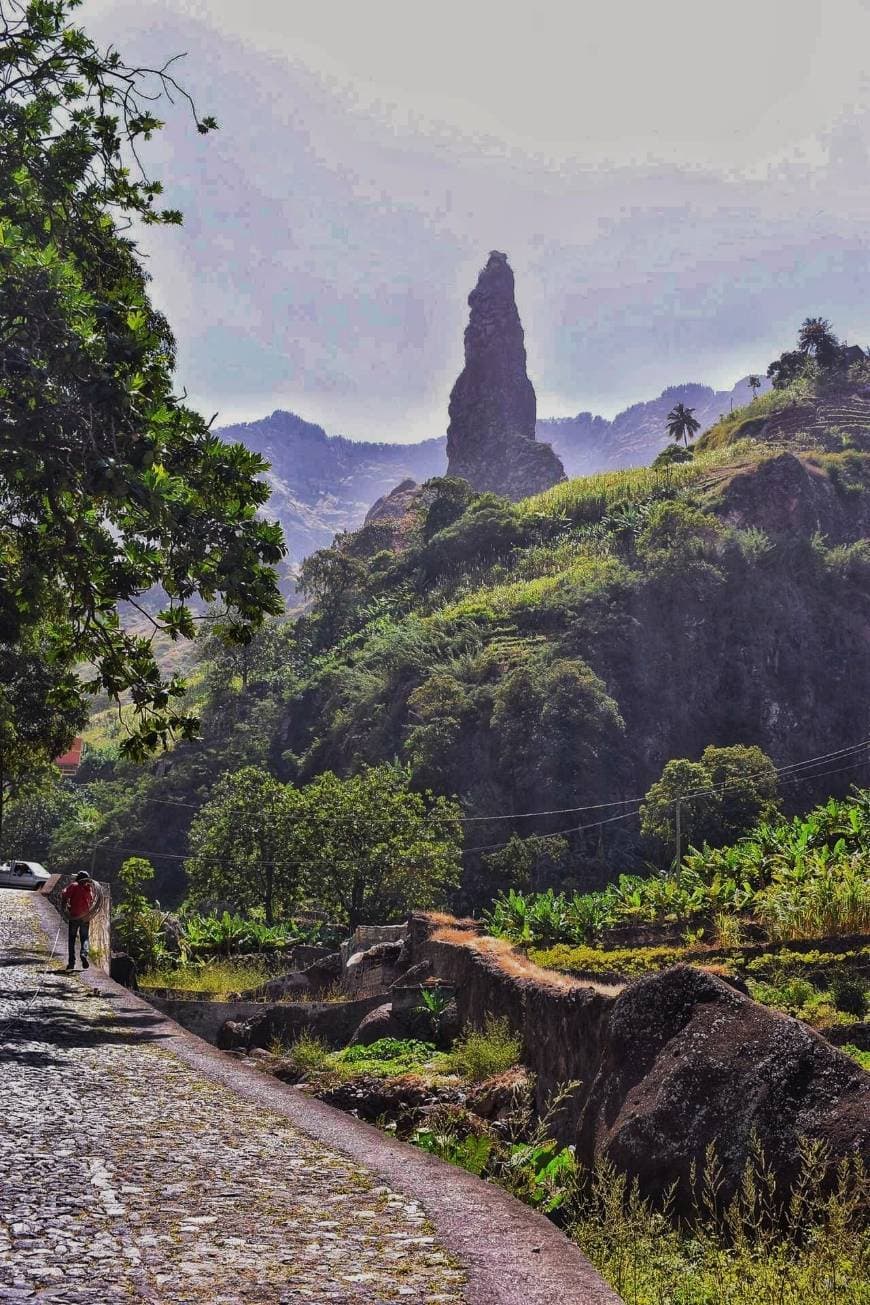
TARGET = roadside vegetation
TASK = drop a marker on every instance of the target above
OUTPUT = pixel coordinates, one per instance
(804, 878)
(746, 1249)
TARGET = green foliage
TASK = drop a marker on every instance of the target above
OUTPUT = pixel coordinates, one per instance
(33, 817)
(681, 423)
(110, 484)
(230, 935)
(800, 878)
(481, 1053)
(820, 893)
(549, 917)
(311, 1057)
(741, 1254)
(370, 848)
(138, 923)
(40, 703)
(749, 1251)
(240, 844)
(448, 496)
(720, 796)
(433, 1001)
(388, 1057)
(851, 994)
(471, 1152)
(679, 529)
(860, 1057)
(673, 454)
(616, 962)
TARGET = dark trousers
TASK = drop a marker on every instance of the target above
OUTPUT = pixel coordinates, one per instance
(83, 929)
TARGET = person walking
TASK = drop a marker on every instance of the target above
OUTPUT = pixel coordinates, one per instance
(79, 899)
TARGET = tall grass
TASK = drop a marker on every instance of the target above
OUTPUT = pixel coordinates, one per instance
(214, 979)
(582, 576)
(748, 1251)
(587, 498)
(834, 900)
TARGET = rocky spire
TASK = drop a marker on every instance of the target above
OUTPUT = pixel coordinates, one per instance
(491, 436)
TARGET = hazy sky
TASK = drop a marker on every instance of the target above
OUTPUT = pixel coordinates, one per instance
(677, 185)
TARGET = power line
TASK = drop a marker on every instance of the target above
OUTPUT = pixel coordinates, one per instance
(787, 771)
(601, 806)
(578, 829)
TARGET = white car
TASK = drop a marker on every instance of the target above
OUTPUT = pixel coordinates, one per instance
(23, 874)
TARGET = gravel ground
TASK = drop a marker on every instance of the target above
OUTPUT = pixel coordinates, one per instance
(125, 1176)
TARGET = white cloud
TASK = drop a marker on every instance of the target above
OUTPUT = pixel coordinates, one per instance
(371, 154)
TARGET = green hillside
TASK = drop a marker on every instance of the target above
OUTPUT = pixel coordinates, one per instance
(557, 652)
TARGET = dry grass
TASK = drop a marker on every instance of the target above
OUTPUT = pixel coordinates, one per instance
(443, 917)
(516, 963)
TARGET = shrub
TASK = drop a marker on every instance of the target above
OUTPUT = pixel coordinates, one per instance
(387, 1057)
(311, 1057)
(481, 1053)
(862, 1057)
(138, 923)
(626, 962)
(849, 993)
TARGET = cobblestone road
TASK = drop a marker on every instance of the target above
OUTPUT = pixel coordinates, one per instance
(125, 1176)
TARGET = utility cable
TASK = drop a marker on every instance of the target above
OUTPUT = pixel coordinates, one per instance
(577, 829)
(789, 772)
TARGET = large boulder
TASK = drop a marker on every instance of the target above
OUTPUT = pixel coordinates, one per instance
(687, 1062)
(491, 437)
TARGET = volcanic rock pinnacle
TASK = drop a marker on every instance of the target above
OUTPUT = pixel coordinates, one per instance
(491, 436)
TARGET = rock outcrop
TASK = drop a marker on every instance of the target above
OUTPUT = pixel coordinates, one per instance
(395, 505)
(491, 437)
(686, 1062)
(672, 1064)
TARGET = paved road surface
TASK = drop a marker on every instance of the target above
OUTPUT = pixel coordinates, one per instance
(125, 1176)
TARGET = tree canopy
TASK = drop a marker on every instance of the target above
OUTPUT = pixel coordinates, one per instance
(109, 484)
(371, 849)
(682, 423)
(720, 797)
(240, 843)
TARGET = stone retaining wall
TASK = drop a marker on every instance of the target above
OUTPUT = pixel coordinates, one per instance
(563, 1029)
(674, 1063)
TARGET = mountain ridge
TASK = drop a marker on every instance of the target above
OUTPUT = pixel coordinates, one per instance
(323, 484)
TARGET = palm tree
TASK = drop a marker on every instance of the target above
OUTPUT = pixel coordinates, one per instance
(754, 383)
(682, 424)
(817, 340)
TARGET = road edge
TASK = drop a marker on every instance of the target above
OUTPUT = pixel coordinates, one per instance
(512, 1255)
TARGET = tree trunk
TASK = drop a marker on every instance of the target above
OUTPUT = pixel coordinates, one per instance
(270, 884)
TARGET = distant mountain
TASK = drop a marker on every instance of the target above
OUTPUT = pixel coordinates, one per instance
(587, 443)
(322, 484)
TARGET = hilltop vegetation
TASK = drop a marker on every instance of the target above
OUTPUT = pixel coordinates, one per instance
(553, 653)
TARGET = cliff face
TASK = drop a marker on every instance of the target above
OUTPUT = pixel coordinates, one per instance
(491, 436)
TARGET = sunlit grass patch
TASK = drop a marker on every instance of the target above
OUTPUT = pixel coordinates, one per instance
(215, 979)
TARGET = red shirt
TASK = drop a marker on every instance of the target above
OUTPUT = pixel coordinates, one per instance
(79, 899)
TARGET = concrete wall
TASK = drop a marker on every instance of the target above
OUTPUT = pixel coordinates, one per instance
(370, 935)
(204, 1018)
(258, 1023)
(101, 937)
(333, 1021)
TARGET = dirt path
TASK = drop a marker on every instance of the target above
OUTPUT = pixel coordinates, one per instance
(126, 1176)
